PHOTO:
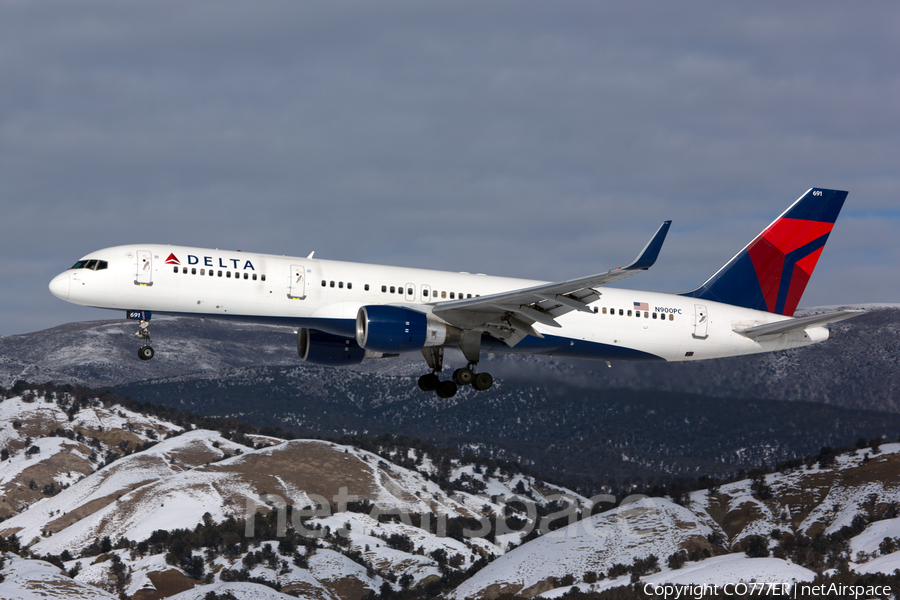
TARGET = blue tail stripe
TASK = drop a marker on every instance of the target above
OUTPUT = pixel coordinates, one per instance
(790, 261)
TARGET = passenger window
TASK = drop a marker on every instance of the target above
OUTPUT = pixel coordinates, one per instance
(263, 277)
(400, 290)
(622, 313)
(646, 315)
(331, 284)
(184, 270)
(671, 317)
(193, 270)
(604, 310)
(629, 313)
(384, 288)
(366, 287)
(468, 295)
(220, 273)
(596, 310)
(246, 275)
(254, 277)
(410, 291)
(228, 274)
(654, 315)
(349, 286)
(451, 295)
(324, 283)
(434, 294)
(175, 270)
(341, 284)
(393, 289)
(443, 294)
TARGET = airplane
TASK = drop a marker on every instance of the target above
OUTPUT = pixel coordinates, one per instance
(347, 312)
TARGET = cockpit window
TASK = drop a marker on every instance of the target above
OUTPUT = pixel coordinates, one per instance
(93, 264)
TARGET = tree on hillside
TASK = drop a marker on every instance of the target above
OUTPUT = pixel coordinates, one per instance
(757, 547)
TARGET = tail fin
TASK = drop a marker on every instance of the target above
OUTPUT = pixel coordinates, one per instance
(772, 271)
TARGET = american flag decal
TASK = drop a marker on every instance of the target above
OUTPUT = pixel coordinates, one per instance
(641, 306)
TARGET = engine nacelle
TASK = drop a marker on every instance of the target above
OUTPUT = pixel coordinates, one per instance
(394, 329)
(325, 349)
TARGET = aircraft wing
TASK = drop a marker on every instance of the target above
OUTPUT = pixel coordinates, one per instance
(779, 327)
(509, 316)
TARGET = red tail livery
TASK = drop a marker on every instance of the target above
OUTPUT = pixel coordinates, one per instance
(772, 271)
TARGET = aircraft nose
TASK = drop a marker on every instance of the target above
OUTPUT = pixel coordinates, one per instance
(59, 286)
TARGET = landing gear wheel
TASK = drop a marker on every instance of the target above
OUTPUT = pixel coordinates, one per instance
(145, 353)
(483, 381)
(463, 376)
(446, 389)
(429, 382)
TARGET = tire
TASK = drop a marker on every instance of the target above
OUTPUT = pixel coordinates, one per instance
(446, 389)
(463, 376)
(483, 381)
(145, 353)
(429, 382)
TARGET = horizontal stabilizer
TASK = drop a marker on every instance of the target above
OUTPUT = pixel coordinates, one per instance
(794, 324)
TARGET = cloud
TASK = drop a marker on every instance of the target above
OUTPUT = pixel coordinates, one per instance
(530, 139)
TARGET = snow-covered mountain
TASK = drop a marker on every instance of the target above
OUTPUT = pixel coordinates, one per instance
(193, 478)
(570, 420)
(810, 518)
(146, 507)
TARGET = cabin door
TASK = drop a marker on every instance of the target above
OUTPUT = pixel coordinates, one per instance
(143, 268)
(701, 321)
(298, 282)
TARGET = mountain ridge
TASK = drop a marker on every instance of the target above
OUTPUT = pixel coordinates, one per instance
(167, 516)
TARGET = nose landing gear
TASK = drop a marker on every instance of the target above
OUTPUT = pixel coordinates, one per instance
(145, 352)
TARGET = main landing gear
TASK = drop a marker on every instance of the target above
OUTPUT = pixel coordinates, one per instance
(145, 352)
(431, 382)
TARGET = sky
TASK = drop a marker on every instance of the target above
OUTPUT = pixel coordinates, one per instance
(545, 140)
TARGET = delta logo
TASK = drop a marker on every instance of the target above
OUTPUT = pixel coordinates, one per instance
(207, 261)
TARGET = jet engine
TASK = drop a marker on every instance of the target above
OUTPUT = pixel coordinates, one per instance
(327, 350)
(394, 329)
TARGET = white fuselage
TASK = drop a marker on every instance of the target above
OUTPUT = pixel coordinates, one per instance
(326, 295)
